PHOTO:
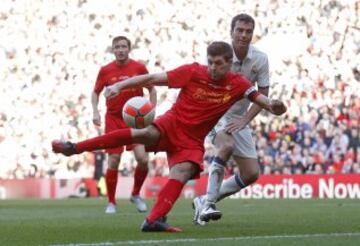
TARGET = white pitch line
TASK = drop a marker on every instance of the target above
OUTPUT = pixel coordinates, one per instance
(191, 240)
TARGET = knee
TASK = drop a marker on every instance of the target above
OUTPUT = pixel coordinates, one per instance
(254, 176)
(114, 161)
(146, 133)
(142, 160)
(226, 149)
(186, 174)
(149, 134)
(251, 176)
(183, 172)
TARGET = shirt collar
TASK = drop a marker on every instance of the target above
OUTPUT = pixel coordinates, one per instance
(249, 54)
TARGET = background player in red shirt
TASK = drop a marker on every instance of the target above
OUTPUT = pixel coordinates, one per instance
(207, 92)
(118, 70)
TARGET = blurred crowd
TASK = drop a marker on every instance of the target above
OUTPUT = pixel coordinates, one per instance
(51, 51)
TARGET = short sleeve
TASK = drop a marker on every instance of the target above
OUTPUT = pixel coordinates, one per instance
(263, 76)
(100, 82)
(143, 69)
(180, 76)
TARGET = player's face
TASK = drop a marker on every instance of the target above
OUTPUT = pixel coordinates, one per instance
(121, 51)
(242, 34)
(218, 67)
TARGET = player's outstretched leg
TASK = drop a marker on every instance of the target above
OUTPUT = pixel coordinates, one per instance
(168, 195)
(158, 225)
(180, 173)
(198, 205)
(107, 141)
(63, 147)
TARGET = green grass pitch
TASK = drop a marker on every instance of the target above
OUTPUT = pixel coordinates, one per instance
(82, 222)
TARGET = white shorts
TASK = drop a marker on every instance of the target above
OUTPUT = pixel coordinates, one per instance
(244, 143)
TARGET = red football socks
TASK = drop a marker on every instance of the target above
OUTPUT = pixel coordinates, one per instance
(166, 199)
(139, 178)
(110, 140)
(111, 179)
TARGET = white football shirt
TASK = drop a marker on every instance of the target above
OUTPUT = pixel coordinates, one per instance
(255, 67)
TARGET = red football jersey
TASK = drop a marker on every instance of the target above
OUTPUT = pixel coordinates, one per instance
(113, 73)
(202, 101)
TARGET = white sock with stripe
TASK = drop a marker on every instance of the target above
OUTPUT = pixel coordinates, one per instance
(216, 176)
(231, 186)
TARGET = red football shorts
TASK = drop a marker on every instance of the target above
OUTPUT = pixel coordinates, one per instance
(115, 122)
(178, 146)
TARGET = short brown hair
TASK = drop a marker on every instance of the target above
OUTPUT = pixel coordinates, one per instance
(220, 48)
(122, 38)
(241, 17)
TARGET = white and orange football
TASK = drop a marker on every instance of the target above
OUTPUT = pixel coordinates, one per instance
(138, 112)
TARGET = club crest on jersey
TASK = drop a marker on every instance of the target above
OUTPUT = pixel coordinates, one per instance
(226, 98)
(254, 69)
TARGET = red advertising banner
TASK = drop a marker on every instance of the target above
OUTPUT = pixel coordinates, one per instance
(304, 186)
(46, 188)
(337, 186)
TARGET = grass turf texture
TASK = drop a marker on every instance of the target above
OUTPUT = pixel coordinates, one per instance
(244, 222)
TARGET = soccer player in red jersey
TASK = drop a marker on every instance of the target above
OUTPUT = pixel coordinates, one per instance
(207, 92)
(118, 70)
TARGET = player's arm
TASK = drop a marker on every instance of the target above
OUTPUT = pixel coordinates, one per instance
(260, 101)
(274, 106)
(99, 86)
(94, 104)
(238, 122)
(255, 109)
(146, 80)
(262, 79)
(152, 94)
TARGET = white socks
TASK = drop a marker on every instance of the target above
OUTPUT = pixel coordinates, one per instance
(230, 186)
(216, 176)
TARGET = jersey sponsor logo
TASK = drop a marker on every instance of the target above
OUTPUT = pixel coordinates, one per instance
(119, 78)
(130, 90)
(210, 96)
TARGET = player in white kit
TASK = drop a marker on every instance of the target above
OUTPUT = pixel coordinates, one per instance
(232, 136)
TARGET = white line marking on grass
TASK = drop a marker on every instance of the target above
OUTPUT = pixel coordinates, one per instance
(191, 240)
(338, 204)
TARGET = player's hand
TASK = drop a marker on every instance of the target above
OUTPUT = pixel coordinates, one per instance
(111, 91)
(96, 119)
(277, 107)
(236, 123)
